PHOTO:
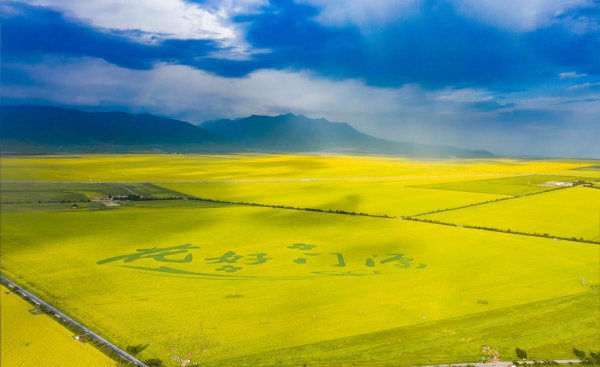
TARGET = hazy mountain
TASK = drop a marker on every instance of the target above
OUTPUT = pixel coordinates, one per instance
(55, 129)
(291, 132)
(59, 126)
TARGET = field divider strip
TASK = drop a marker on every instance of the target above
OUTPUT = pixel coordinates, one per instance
(385, 216)
(29, 296)
(489, 201)
(287, 207)
(499, 230)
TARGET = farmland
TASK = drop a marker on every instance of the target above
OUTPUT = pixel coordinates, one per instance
(36, 340)
(239, 284)
(568, 213)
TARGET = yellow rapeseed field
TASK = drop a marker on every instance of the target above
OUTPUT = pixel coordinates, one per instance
(236, 285)
(36, 340)
(573, 212)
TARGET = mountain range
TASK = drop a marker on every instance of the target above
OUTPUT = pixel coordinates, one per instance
(44, 129)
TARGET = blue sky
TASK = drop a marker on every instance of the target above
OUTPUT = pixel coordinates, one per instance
(518, 77)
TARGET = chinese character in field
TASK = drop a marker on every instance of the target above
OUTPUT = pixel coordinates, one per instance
(230, 257)
(159, 254)
(259, 258)
(341, 263)
(301, 246)
(229, 268)
(398, 260)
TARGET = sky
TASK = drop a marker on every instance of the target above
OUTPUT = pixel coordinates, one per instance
(516, 77)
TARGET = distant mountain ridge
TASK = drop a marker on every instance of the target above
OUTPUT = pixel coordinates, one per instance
(30, 128)
(61, 126)
(283, 131)
(300, 133)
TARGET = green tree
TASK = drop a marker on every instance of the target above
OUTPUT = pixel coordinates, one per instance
(521, 353)
(154, 362)
(579, 353)
(136, 349)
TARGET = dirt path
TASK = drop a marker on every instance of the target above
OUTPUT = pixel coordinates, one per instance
(130, 190)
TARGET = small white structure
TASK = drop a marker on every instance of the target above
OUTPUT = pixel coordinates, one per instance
(563, 183)
(558, 183)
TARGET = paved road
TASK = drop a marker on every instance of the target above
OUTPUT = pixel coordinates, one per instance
(137, 362)
(74, 323)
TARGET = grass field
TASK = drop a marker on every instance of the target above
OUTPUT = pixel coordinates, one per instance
(57, 192)
(238, 285)
(36, 340)
(519, 185)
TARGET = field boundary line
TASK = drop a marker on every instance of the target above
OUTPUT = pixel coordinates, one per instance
(29, 296)
(288, 207)
(405, 217)
(128, 189)
(505, 231)
(491, 201)
(385, 216)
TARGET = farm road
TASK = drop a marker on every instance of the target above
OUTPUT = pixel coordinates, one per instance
(131, 191)
(19, 290)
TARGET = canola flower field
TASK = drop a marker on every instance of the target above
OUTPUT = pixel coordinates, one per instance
(36, 340)
(217, 258)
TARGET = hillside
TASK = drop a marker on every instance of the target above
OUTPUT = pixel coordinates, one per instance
(292, 132)
(54, 126)
(39, 129)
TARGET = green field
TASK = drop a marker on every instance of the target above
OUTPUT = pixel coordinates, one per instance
(239, 285)
(12, 193)
(519, 185)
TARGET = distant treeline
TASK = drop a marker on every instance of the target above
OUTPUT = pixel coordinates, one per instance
(535, 234)
(276, 206)
(491, 201)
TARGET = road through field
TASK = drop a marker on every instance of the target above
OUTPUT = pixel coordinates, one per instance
(72, 322)
(136, 362)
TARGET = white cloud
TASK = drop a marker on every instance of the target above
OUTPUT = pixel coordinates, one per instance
(570, 75)
(521, 15)
(585, 85)
(160, 19)
(410, 113)
(198, 95)
(464, 95)
(364, 13)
